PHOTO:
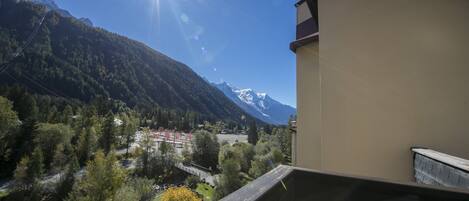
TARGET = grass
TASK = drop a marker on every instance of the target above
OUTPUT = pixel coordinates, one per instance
(3, 194)
(206, 191)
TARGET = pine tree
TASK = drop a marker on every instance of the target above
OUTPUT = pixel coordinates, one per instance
(128, 128)
(252, 133)
(65, 186)
(52, 114)
(86, 144)
(107, 139)
(21, 172)
(146, 143)
(102, 179)
(36, 165)
(60, 158)
(8, 124)
(67, 115)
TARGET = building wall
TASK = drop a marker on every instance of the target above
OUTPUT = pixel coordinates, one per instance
(392, 74)
(308, 138)
(303, 13)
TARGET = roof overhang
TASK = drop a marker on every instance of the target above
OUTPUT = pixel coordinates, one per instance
(304, 41)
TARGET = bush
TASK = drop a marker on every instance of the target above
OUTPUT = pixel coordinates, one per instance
(179, 194)
(192, 181)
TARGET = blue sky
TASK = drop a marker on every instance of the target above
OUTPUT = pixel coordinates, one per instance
(243, 42)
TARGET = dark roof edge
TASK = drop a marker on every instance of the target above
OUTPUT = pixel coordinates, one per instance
(299, 3)
(304, 41)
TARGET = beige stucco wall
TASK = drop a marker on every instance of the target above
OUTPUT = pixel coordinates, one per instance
(392, 74)
(307, 147)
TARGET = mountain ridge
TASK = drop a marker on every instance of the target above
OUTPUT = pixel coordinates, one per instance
(259, 105)
(50, 4)
(83, 62)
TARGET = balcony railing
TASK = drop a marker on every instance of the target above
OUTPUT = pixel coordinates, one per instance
(436, 168)
(286, 183)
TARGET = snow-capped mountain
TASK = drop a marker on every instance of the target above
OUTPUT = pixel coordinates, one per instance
(50, 4)
(259, 105)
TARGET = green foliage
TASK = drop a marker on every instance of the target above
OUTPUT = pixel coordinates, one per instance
(102, 179)
(228, 152)
(126, 193)
(49, 136)
(23, 103)
(229, 181)
(9, 122)
(30, 169)
(108, 136)
(67, 115)
(143, 186)
(166, 148)
(247, 153)
(8, 117)
(158, 164)
(233, 159)
(284, 138)
(136, 189)
(65, 185)
(146, 143)
(192, 181)
(205, 149)
(21, 172)
(128, 128)
(252, 133)
(82, 62)
(60, 159)
(36, 165)
(31, 192)
(186, 155)
(267, 157)
(206, 191)
(86, 144)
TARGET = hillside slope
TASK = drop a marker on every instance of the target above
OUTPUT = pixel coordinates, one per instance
(77, 61)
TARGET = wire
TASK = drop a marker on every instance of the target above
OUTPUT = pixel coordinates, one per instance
(37, 83)
(21, 49)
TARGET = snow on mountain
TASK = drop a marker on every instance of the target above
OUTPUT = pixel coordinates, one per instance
(259, 105)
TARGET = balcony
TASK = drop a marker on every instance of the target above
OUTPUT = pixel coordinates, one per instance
(307, 24)
(286, 183)
(307, 18)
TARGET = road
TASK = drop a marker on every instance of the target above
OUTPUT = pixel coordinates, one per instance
(232, 138)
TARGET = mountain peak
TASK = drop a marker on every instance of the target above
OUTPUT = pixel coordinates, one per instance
(48, 3)
(262, 95)
(51, 5)
(259, 105)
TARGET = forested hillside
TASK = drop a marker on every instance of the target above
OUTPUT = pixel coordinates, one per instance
(74, 61)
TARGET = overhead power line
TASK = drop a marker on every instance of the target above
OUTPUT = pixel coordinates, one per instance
(28, 41)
